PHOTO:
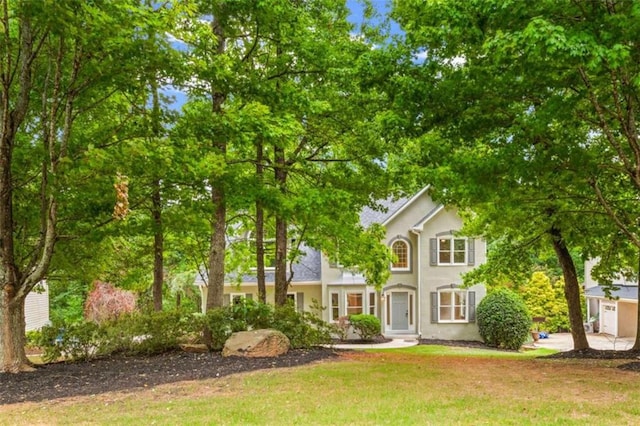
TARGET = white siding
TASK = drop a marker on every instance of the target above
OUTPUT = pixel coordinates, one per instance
(36, 308)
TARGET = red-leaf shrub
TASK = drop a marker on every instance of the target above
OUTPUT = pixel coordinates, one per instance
(105, 302)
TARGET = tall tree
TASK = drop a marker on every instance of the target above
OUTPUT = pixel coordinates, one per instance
(504, 87)
(61, 61)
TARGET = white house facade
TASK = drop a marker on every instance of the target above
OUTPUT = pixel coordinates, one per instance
(424, 296)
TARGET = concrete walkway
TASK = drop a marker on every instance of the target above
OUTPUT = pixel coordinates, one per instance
(559, 341)
(393, 344)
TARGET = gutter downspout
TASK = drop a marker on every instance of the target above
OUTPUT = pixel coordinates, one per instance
(419, 283)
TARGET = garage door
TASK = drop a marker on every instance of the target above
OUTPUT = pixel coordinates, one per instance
(608, 318)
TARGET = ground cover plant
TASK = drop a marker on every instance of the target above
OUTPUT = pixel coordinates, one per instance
(426, 384)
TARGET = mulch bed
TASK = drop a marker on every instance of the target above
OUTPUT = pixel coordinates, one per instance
(603, 354)
(120, 373)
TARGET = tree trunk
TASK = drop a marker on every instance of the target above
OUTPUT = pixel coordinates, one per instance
(636, 343)
(281, 284)
(262, 286)
(13, 358)
(158, 246)
(215, 285)
(571, 290)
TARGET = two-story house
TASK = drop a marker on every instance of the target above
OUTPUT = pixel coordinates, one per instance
(423, 296)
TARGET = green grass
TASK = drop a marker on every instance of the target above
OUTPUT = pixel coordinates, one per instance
(419, 385)
(463, 351)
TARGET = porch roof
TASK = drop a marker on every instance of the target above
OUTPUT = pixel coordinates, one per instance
(624, 292)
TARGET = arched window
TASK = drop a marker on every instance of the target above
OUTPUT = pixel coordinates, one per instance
(402, 253)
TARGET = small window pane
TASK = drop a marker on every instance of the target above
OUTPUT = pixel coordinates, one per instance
(459, 244)
(335, 312)
(372, 303)
(354, 303)
(445, 298)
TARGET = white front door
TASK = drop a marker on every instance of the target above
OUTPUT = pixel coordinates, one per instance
(608, 318)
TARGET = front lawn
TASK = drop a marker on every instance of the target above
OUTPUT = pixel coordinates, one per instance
(420, 385)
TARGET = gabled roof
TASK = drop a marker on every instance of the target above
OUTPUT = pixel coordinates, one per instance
(388, 209)
(626, 292)
(437, 209)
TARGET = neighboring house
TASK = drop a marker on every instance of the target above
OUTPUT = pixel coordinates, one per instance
(424, 296)
(36, 307)
(615, 315)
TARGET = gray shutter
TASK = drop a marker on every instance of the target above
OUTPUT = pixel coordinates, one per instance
(434, 307)
(471, 252)
(300, 301)
(433, 251)
(226, 300)
(248, 296)
(472, 306)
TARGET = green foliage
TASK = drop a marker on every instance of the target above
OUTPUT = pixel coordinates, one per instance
(129, 334)
(66, 301)
(544, 299)
(76, 341)
(304, 329)
(365, 325)
(503, 319)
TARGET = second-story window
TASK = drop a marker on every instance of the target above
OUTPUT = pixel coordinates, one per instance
(401, 254)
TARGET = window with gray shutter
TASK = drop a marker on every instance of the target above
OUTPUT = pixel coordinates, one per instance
(433, 251)
(472, 306)
(434, 307)
(471, 252)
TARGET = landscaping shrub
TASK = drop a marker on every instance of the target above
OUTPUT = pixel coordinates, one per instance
(341, 328)
(503, 319)
(220, 322)
(130, 334)
(304, 329)
(365, 325)
(105, 302)
(77, 341)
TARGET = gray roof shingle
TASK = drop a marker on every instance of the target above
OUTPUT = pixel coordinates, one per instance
(629, 292)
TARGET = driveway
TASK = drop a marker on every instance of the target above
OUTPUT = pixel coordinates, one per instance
(563, 342)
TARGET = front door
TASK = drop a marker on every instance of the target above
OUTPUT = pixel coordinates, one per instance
(400, 310)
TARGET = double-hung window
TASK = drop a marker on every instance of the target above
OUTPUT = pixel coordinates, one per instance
(452, 304)
(452, 251)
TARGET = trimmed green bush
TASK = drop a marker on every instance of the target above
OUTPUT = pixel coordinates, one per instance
(303, 329)
(503, 319)
(365, 325)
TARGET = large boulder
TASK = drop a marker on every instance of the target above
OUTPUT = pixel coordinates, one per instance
(256, 344)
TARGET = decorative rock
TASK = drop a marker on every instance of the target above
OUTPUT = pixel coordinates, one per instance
(195, 348)
(256, 344)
